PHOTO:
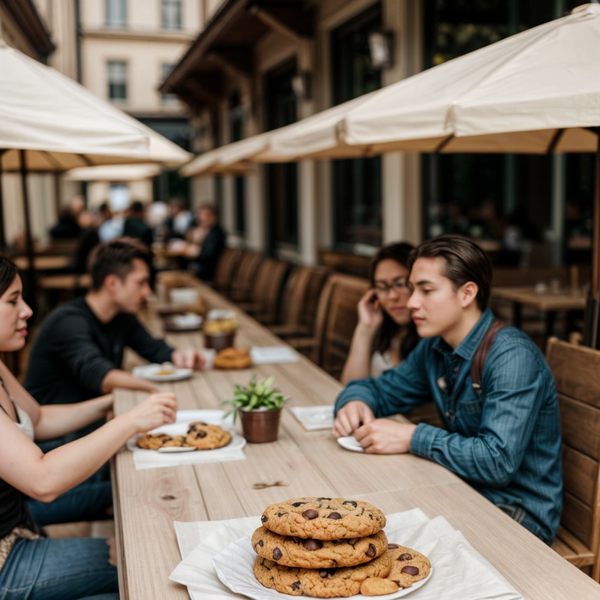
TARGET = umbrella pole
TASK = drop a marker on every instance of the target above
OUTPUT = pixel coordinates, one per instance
(30, 278)
(2, 233)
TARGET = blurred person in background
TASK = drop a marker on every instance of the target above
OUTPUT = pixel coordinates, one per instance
(211, 237)
(68, 226)
(180, 219)
(135, 226)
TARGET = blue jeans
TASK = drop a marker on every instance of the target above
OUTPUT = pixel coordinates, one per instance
(88, 501)
(55, 569)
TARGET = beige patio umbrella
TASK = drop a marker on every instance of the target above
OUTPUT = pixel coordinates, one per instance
(114, 173)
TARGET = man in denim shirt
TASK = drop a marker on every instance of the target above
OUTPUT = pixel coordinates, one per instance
(505, 440)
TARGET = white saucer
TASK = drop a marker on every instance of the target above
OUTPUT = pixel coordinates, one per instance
(349, 443)
(153, 373)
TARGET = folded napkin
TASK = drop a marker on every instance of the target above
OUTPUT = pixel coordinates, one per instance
(459, 571)
(273, 354)
(314, 417)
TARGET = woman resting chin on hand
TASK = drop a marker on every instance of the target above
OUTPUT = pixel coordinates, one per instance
(36, 566)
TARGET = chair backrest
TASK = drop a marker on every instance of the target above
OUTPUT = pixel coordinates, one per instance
(527, 276)
(225, 269)
(341, 320)
(302, 294)
(243, 280)
(267, 288)
(576, 370)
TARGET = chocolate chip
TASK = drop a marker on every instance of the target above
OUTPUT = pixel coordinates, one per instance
(281, 514)
(323, 573)
(201, 423)
(410, 570)
(201, 434)
(264, 518)
(324, 498)
(313, 544)
(405, 556)
(296, 585)
(351, 502)
(392, 546)
(277, 554)
(261, 543)
(371, 551)
(310, 514)
(297, 504)
(334, 515)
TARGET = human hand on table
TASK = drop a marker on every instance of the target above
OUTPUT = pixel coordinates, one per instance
(350, 417)
(383, 436)
(154, 411)
(188, 358)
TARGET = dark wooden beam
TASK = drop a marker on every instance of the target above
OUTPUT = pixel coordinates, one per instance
(206, 88)
(292, 21)
(236, 62)
(28, 19)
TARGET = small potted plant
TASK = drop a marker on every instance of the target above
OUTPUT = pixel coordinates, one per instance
(259, 406)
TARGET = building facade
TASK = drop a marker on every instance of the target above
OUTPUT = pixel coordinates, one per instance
(260, 65)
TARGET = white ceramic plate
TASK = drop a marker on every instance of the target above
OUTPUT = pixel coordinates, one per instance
(349, 443)
(237, 441)
(314, 417)
(235, 568)
(153, 373)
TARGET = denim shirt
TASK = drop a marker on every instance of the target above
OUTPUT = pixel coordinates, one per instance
(505, 442)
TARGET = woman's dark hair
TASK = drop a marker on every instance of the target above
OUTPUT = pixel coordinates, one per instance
(389, 328)
(465, 261)
(8, 272)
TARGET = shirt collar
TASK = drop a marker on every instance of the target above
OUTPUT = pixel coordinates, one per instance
(467, 348)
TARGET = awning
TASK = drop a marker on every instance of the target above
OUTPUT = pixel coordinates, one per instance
(112, 173)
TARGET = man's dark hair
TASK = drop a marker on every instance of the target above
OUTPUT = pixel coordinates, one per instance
(465, 261)
(115, 258)
(137, 207)
(8, 272)
(212, 208)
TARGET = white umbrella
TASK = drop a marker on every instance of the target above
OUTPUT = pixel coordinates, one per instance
(113, 173)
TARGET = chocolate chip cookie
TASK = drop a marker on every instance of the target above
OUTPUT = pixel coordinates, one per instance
(153, 441)
(323, 518)
(316, 554)
(408, 565)
(206, 437)
(319, 583)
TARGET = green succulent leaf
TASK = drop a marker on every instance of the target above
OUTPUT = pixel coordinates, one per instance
(257, 394)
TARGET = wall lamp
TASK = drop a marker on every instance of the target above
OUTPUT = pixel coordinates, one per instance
(381, 49)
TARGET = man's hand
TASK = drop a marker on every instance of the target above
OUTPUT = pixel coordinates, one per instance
(350, 417)
(188, 358)
(382, 436)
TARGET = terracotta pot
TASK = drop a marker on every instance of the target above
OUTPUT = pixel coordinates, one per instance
(260, 426)
(219, 341)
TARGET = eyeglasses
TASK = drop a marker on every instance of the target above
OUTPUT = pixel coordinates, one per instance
(400, 285)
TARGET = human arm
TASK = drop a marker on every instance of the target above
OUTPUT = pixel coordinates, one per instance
(118, 378)
(370, 319)
(188, 358)
(515, 382)
(43, 477)
(152, 349)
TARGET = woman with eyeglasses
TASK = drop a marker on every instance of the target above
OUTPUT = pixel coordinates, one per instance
(385, 334)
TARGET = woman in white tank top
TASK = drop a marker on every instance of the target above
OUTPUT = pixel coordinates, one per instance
(385, 333)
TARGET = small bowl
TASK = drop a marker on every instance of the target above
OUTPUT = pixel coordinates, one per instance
(184, 295)
(219, 341)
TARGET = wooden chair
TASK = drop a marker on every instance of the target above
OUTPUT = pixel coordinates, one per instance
(242, 283)
(225, 269)
(575, 370)
(266, 294)
(301, 301)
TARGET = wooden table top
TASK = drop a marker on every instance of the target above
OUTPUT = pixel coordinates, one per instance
(527, 296)
(44, 263)
(308, 464)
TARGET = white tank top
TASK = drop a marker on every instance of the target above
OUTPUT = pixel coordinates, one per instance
(23, 422)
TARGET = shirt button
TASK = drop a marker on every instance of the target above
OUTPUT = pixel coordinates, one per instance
(447, 414)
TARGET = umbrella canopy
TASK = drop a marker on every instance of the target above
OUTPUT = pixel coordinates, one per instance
(113, 173)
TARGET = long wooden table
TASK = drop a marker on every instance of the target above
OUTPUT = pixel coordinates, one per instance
(309, 464)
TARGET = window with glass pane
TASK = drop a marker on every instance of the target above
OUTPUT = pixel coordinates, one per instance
(489, 197)
(357, 182)
(170, 14)
(115, 13)
(117, 80)
(166, 69)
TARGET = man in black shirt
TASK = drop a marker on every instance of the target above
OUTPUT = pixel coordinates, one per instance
(212, 241)
(78, 350)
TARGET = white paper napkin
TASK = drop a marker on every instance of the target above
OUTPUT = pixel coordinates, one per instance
(459, 571)
(314, 418)
(273, 354)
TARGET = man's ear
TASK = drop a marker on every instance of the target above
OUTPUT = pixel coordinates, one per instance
(110, 282)
(468, 293)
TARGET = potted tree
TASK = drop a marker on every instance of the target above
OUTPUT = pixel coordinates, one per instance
(259, 406)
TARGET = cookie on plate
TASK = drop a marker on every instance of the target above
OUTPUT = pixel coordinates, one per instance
(175, 442)
(378, 586)
(233, 358)
(319, 583)
(316, 554)
(323, 518)
(408, 565)
(153, 441)
(206, 437)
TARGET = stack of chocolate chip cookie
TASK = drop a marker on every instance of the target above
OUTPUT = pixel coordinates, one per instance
(328, 547)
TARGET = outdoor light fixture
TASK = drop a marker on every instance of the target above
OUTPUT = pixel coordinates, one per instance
(381, 49)
(301, 84)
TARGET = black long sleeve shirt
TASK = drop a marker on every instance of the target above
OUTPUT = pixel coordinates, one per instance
(73, 351)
